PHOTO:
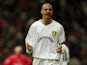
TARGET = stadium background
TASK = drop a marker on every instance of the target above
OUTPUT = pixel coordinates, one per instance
(17, 15)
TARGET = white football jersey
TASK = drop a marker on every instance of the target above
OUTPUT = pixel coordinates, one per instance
(45, 38)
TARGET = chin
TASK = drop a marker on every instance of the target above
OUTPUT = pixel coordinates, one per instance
(48, 17)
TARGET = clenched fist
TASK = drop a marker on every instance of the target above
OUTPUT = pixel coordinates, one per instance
(59, 48)
(28, 46)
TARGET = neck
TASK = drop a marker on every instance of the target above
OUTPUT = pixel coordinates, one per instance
(46, 21)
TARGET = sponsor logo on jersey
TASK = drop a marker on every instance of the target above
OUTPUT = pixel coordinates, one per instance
(54, 33)
(45, 37)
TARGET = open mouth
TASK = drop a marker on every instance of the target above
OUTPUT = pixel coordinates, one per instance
(48, 14)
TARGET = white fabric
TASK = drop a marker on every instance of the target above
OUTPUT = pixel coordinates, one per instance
(44, 39)
(65, 57)
(38, 61)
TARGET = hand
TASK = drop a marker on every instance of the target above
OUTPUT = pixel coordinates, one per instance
(29, 47)
(59, 48)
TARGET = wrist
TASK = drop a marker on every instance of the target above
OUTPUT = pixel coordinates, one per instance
(28, 51)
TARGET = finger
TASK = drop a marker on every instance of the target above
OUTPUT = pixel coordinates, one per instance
(27, 46)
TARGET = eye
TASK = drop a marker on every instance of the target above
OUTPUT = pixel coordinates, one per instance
(45, 9)
(50, 9)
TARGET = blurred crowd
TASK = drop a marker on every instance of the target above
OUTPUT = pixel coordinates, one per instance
(17, 15)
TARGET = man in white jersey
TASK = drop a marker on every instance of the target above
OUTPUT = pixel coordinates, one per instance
(65, 56)
(44, 38)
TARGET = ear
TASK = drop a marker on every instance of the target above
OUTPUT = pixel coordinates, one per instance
(41, 11)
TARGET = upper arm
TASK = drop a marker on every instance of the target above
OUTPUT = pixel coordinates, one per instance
(61, 35)
(30, 35)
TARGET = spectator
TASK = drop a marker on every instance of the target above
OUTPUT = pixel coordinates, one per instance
(17, 58)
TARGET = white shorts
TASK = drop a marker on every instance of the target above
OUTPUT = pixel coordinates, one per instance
(38, 61)
(64, 63)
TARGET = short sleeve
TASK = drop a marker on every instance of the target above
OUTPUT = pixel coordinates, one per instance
(30, 36)
(62, 35)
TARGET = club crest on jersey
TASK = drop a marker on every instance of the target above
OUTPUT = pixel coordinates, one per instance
(54, 33)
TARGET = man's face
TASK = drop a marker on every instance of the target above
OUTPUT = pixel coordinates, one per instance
(47, 11)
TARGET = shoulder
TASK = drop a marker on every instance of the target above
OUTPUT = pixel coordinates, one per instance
(23, 55)
(13, 56)
(10, 57)
(36, 23)
(58, 24)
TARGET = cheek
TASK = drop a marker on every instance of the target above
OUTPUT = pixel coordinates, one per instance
(52, 12)
(43, 12)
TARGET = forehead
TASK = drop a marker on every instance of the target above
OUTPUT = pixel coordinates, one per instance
(18, 48)
(47, 5)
